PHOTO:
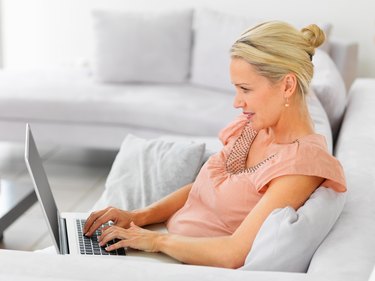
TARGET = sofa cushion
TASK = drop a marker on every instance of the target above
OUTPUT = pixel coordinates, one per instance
(329, 86)
(72, 97)
(215, 32)
(213, 144)
(320, 119)
(142, 46)
(288, 239)
(145, 171)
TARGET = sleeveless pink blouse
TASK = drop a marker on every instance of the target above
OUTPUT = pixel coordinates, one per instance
(224, 191)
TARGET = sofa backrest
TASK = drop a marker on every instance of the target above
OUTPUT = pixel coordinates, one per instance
(214, 33)
(192, 46)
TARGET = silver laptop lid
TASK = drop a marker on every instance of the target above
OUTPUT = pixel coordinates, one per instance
(42, 187)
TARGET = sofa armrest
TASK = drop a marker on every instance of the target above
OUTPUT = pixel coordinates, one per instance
(345, 56)
(351, 242)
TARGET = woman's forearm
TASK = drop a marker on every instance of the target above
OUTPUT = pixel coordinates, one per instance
(163, 209)
(218, 251)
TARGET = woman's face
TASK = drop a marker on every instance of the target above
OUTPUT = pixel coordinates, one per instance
(260, 100)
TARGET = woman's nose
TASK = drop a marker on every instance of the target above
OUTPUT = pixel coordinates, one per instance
(238, 102)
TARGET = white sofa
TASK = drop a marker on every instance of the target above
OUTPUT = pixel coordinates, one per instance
(348, 251)
(346, 254)
(126, 94)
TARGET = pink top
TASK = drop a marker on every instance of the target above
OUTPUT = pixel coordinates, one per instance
(224, 191)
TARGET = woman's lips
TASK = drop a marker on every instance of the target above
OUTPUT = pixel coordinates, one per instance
(249, 115)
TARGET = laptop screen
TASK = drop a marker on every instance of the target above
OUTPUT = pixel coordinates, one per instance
(41, 185)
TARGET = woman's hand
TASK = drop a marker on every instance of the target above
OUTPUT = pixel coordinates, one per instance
(133, 237)
(96, 219)
(155, 213)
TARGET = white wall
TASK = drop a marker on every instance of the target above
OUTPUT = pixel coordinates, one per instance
(40, 33)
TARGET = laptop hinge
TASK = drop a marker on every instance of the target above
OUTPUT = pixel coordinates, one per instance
(64, 247)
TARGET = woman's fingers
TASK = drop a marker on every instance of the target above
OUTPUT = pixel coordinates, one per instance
(104, 228)
(134, 237)
(111, 233)
(92, 218)
(133, 225)
(120, 244)
(97, 219)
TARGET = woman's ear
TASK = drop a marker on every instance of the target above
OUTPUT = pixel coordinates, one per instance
(289, 85)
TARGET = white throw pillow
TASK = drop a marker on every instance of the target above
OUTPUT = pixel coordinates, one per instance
(145, 171)
(329, 87)
(288, 239)
(137, 46)
(214, 34)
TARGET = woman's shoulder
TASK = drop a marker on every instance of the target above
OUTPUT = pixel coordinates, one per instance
(309, 152)
(313, 158)
(312, 147)
(306, 156)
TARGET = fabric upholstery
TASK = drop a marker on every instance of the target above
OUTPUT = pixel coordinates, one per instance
(215, 32)
(329, 87)
(31, 266)
(345, 55)
(72, 97)
(320, 119)
(288, 239)
(348, 251)
(143, 46)
(145, 171)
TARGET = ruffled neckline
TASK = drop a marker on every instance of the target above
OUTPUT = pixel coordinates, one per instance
(231, 160)
(217, 165)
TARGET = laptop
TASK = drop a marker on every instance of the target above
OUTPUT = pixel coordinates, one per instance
(66, 228)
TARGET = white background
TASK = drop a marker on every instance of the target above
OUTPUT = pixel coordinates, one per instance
(40, 33)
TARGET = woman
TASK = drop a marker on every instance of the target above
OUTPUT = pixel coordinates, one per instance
(271, 158)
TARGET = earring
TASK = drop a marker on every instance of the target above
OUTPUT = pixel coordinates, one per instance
(286, 102)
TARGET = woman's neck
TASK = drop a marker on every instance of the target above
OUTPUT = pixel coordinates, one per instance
(293, 124)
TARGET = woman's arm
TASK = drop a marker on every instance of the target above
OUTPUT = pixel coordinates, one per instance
(163, 209)
(226, 251)
(157, 212)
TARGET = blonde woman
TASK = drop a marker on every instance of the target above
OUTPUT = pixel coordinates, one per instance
(271, 158)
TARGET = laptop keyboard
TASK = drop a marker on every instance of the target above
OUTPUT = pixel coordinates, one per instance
(90, 245)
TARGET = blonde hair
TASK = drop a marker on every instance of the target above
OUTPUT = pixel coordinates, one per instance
(276, 48)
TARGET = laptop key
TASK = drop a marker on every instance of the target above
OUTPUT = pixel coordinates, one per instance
(121, 251)
(90, 245)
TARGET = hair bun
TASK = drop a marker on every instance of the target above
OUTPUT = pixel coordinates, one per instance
(314, 35)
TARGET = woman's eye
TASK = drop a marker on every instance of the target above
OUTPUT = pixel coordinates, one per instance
(245, 90)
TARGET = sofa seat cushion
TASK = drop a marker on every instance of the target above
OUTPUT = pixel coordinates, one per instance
(68, 96)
